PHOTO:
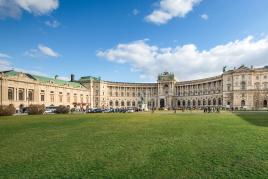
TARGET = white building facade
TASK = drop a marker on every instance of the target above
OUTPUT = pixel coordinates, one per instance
(239, 88)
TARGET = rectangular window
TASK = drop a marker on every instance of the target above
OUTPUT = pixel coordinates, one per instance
(52, 98)
(68, 98)
(60, 98)
(42, 97)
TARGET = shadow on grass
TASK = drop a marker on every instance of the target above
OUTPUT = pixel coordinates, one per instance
(255, 118)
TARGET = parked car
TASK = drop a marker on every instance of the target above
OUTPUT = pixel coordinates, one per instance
(130, 110)
(98, 110)
(50, 110)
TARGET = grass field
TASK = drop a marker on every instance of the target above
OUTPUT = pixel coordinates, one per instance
(138, 145)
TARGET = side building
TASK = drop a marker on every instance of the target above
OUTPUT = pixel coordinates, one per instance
(241, 87)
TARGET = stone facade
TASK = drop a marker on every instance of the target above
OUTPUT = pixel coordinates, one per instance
(242, 87)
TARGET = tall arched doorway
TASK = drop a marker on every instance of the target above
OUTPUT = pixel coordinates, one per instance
(265, 103)
(162, 103)
(243, 103)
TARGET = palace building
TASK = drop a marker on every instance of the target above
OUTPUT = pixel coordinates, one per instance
(241, 87)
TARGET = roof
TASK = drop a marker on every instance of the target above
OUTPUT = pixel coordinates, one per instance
(43, 79)
(87, 78)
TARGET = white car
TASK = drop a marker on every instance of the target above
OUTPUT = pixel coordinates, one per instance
(50, 110)
(130, 110)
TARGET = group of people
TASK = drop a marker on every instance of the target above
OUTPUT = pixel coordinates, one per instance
(211, 109)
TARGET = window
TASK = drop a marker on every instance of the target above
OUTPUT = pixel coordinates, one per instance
(10, 93)
(75, 98)
(179, 103)
(81, 98)
(257, 85)
(122, 103)
(133, 94)
(128, 103)
(68, 98)
(42, 97)
(21, 94)
(87, 98)
(133, 103)
(219, 101)
(30, 95)
(111, 103)
(52, 98)
(116, 103)
(243, 85)
(60, 98)
(229, 88)
(214, 102)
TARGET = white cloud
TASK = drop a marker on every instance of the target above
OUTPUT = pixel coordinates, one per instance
(53, 23)
(187, 61)
(48, 51)
(41, 51)
(204, 16)
(169, 9)
(14, 8)
(3, 55)
(135, 12)
(4, 65)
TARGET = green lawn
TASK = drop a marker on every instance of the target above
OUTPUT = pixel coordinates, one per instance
(138, 145)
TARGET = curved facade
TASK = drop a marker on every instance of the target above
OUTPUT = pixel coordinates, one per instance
(242, 87)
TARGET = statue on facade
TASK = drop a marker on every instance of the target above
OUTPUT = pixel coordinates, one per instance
(224, 68)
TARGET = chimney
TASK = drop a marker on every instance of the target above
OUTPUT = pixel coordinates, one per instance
(72, 77)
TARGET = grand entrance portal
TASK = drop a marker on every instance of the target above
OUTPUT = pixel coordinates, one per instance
(162, 103)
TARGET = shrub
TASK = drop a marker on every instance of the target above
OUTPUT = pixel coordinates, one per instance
(7, 110)
(35, 109)
(62, 109)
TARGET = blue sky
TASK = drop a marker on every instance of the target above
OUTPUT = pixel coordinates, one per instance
(132, 40)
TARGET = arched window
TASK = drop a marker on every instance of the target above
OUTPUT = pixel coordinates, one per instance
(189, 103)
(11, 94)
(204, 102)
(199, 103)
(183, 103)
(209, 102)
(116, 103)
(265, 103)
(30, 95)
(214, 102)
(122, 103)
(128, 103)
(179, 103)
(21, 94)
(133, 94)
(133, 103)
(193, 102)
(219, 101)
(243, 103)
(111, 103)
